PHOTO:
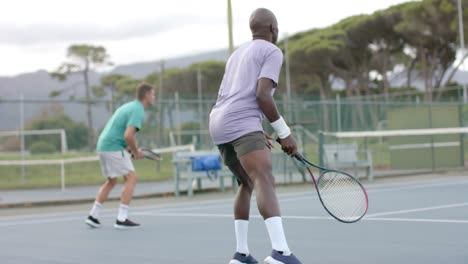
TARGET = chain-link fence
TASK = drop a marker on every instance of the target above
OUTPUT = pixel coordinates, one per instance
(176, 120)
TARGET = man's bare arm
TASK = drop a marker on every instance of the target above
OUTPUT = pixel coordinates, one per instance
(265, 100)
(268, 106)
(132, 143)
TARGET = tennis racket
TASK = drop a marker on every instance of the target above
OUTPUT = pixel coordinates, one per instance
(149, 154)
(341, 194)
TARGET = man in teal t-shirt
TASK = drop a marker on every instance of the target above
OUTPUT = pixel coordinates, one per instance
(117, 137)
(112, 137)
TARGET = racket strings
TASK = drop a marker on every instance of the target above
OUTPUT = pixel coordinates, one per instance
(348, 211)
(151, 155)
(346, 208)
(342, 195)
(335, 200)
(345, 204)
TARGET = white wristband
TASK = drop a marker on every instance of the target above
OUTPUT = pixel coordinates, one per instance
(281, 128)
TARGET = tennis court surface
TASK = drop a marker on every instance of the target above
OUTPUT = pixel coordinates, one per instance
(412, 220)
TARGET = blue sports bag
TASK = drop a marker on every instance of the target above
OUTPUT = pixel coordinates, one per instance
(209, 164)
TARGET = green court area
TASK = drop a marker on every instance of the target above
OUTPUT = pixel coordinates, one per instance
(381, 149)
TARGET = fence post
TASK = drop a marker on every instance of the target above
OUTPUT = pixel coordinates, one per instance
(23, 171)
(338, 112)
(200, 103)
(62, 174)
(462, 135)
(179, 124)
(320, 148)
(63, 139)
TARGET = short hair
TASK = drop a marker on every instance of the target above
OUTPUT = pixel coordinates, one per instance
(142, 89)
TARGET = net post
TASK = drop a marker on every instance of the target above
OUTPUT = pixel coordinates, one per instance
(432, 138)
(462, 135)
(321, 148)
(22, 142)
(62, 175)
(177, 109)
(338, 112)
(63, 139)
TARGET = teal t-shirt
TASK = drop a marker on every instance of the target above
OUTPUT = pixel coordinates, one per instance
(112, 137)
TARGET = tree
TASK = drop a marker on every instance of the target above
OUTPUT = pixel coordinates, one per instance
(211, 76)
(311, 53)
(77, 133)
(351, 62)
(387, 44)
(430, 27)
(110, 83)
(84, 58)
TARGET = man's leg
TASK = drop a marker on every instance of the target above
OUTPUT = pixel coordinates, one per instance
(244, 193)
(242, 207)
(101, 197)
(127, 193)
(128, 188)
(257, 164)
(106, 188)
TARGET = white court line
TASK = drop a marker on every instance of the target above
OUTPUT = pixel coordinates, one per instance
(313, 194)
(39, 221)
(285, 197)
(418, 209)
(298, 197)
(413, 186)
(218, 203)
(208, 215)
(419, 220)
(299, 217)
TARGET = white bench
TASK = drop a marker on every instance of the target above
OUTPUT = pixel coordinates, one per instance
(346, 156)
(183, 170)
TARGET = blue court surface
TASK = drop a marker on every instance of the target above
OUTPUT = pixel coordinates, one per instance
(417, 221)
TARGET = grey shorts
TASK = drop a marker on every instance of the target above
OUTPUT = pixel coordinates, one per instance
(231, 151)
(115, 163)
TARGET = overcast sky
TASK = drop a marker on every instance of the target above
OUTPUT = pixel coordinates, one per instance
(35, 34)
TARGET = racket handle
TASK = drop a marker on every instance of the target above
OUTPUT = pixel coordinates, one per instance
(298, 156)
(130, 151)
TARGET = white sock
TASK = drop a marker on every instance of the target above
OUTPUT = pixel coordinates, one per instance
(97, 206)
(275, 230)
(123, 212)
(242, 229)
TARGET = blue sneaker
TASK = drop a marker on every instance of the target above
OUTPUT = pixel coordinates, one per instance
(240, 258)
(278, 258)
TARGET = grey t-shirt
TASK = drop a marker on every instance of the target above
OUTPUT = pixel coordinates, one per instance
(236, 111)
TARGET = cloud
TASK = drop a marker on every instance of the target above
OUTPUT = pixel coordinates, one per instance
(33, 34)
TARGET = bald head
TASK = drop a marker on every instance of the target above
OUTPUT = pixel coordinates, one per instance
(263, 25)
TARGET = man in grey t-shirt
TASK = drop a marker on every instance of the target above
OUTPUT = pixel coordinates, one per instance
(245, 97)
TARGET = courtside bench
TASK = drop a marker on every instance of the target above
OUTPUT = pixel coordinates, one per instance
(346, 156)
(182, 161)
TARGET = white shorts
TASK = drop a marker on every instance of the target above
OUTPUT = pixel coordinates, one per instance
(115, 163)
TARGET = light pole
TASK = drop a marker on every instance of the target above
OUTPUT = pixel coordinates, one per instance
(160, 104)
(288, 78)
(229, 15)
(200, 104)
(23, 172)
(462, 44)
